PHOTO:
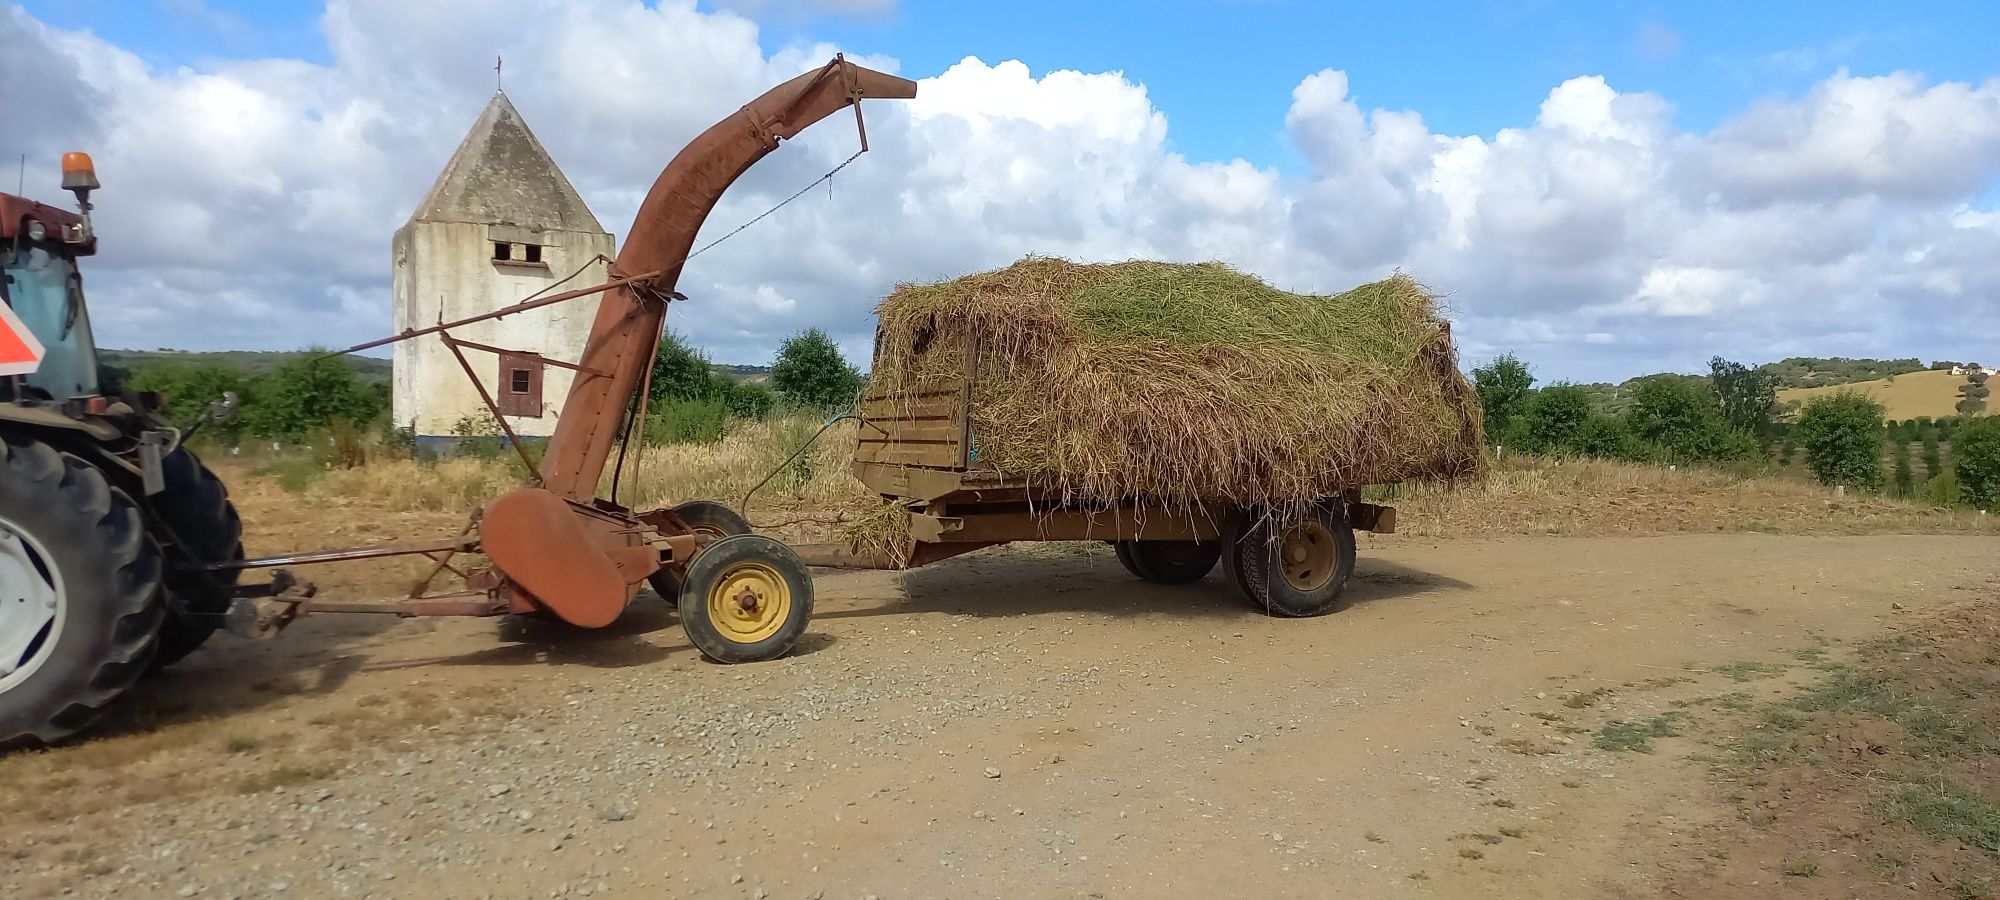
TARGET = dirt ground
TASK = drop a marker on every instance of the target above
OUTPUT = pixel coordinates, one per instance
(1522, 717)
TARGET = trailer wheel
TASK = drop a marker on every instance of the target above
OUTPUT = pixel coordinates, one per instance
(707, 518)
(747, 598)
(1170, 562)
(1304, 571)
(196, 507)
(79, 594)
(1239, 534)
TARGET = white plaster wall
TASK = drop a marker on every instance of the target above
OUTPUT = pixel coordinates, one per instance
(445, 269)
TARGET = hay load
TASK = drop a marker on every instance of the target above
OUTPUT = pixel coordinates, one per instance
(1182, 383)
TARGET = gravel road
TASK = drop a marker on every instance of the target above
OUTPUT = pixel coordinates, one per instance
(1017, 723)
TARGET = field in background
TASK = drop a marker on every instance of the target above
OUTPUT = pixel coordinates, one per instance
(809, 498)
(1931, 393)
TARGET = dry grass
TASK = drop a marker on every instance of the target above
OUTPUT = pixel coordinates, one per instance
(1526, 495)
(655, 477)
(818, 499)
(1185, 383)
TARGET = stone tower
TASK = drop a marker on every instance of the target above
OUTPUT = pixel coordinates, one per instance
(500, 224)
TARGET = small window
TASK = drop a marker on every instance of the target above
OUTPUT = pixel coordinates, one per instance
(533, 253)
(503, 251)
(520, 380)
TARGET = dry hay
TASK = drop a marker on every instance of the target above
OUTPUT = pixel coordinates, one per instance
(1182, 383)
(881, 533)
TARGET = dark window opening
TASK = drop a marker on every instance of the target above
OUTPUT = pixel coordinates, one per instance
(503, 250)
(534, 253)
(519, 381)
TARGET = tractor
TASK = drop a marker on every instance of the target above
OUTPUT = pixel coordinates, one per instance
(107, 520)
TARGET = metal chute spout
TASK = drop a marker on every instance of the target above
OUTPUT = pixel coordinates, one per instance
(629, 318)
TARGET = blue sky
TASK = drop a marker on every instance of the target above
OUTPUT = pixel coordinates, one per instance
(1222, 69)
(1606, 188)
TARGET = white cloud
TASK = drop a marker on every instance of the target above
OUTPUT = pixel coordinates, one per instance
(249, 203)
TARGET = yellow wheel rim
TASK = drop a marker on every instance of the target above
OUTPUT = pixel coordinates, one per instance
(749, 602)
(1308, 555)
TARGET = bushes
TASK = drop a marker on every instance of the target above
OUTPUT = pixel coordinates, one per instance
(1685, 422)
(307, 394)
(1975, 461)
(1670, 418)
(1842, 438)
(1899, 453)
(684, 421)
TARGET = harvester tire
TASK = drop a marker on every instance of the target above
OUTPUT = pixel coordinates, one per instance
(1304, 571)
(196, 507)
(1170, 562)
(706, 517)
(77, 548)
(747, 598)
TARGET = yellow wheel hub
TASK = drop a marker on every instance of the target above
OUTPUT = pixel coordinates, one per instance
(749, 602)
(1308, 554)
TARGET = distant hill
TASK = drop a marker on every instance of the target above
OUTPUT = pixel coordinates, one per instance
(249, 362)
(742, 373)
(1931, 393)
(1795, 372)
(1819, 371)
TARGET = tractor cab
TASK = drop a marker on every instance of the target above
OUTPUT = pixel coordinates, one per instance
(41, 285)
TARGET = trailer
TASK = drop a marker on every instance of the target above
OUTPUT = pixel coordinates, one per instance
(918, 448)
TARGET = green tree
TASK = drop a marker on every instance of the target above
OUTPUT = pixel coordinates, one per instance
(681, 372)
(811, 372)
(1552, 421)
(1975, 460)
(1504, 387)
(1749, 397)
(1842, 437)
(309, 393)
(1685, 421)
(1973, 394)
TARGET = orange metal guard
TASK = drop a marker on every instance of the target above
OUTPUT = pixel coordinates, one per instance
(629, 318)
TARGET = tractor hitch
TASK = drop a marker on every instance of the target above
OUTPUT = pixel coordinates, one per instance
(260, 611)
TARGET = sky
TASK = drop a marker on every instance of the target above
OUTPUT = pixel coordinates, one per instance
(1605, 189)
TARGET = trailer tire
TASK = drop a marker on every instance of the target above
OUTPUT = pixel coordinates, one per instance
(81, 546)
(1304, 572)
(1242, 531)
(747, 598)
(1170, 562)
(196, 507)
(706, 517)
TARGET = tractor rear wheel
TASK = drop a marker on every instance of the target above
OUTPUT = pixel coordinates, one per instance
(1170, 562)
(196, 507)
(747, 598)
(708, 519)
(80, 605)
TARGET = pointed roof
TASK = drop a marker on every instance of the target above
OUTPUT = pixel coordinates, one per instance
(501, 175)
